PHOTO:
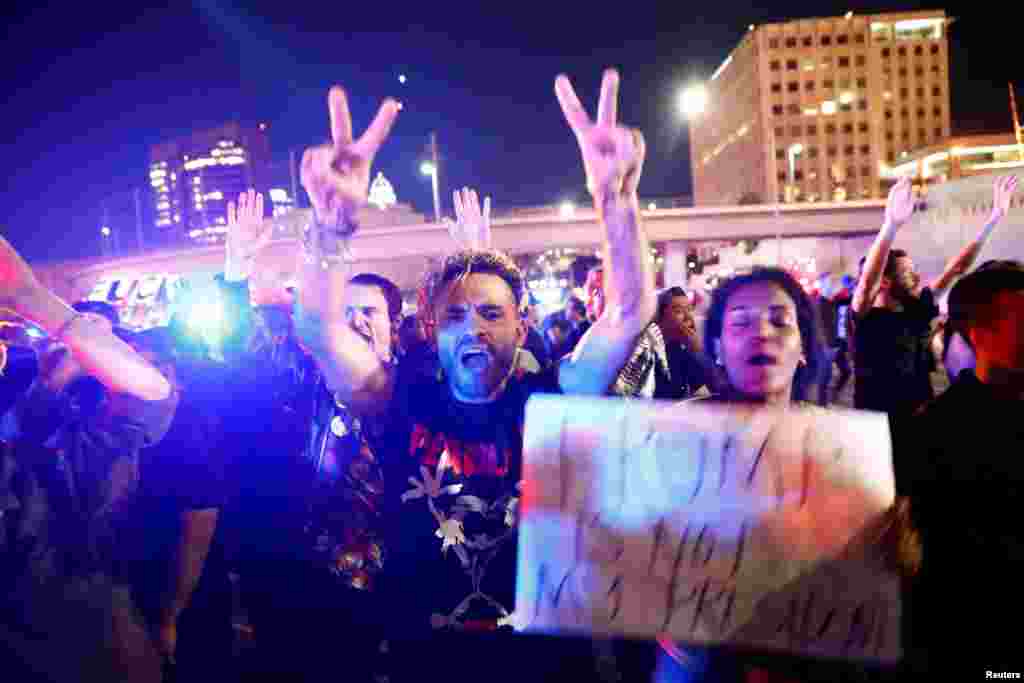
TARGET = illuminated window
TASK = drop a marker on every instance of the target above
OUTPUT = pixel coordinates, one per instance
(828, 107)
(810, 111)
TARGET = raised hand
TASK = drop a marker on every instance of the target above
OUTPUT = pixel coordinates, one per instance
(16, 277)
(901, 203)
(1002, 196)
(613, 156)
(337, 175)
(472, 226)
(248, 234)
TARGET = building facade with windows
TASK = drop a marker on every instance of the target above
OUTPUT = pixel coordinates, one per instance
(194, 177)
(819, 109)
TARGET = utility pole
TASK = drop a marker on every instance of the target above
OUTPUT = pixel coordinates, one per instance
(1017, 132)
(434, 176)
(293, 171)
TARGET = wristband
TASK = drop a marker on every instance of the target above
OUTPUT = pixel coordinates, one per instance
(332, 242)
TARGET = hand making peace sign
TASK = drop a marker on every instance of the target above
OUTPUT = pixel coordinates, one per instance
(337, 175)
(613, 156)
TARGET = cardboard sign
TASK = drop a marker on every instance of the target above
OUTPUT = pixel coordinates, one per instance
(708, 524)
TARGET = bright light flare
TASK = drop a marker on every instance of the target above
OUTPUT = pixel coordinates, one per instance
(693, 101)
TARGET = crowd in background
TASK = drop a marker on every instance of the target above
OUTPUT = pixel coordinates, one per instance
(337, 481)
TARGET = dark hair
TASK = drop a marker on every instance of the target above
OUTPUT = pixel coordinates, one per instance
(562, 324)
(890, 262)
(807, 321)
(578, 306)
(971, 301)
(665, 299)
(392, 294)
(99, 308)
(463, 263)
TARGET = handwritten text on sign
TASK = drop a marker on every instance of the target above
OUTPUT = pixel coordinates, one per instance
(708, 523)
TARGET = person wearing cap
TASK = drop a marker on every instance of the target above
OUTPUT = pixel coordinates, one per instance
(959, 461)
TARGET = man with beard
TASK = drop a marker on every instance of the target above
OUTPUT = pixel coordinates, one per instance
(455, 439)
(893, 359)
(687, 373)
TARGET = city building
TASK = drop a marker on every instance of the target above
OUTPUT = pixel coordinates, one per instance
(960, 157)
(819, 109)
(194, 177)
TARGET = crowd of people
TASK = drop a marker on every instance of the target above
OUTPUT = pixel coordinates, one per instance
(349, 479)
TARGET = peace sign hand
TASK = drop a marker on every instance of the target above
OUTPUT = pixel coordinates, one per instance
(613, 156)
(472, 226)
(337, 175)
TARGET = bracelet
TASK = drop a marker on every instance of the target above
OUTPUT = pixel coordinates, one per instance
(63, 329)
(334, 242)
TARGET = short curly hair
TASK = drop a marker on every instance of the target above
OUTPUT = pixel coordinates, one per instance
(463, 263)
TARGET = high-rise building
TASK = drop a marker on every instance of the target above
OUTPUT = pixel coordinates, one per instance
(194, 177)
(819, 109)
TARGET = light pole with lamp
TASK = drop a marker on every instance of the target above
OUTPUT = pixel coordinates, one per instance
(692, 102)
(430, 168)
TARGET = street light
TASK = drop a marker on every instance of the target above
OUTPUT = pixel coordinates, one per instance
(429, 168)
(105, 231)
(793, 152)
(693, 101)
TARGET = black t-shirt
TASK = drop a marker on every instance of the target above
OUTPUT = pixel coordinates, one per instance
(894, 358)
(452, 491)
(959, 461)
(688, 373)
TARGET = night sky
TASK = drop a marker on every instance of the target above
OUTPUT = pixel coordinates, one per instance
(91, 85)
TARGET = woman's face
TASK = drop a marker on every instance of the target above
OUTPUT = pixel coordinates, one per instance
(761, 346)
